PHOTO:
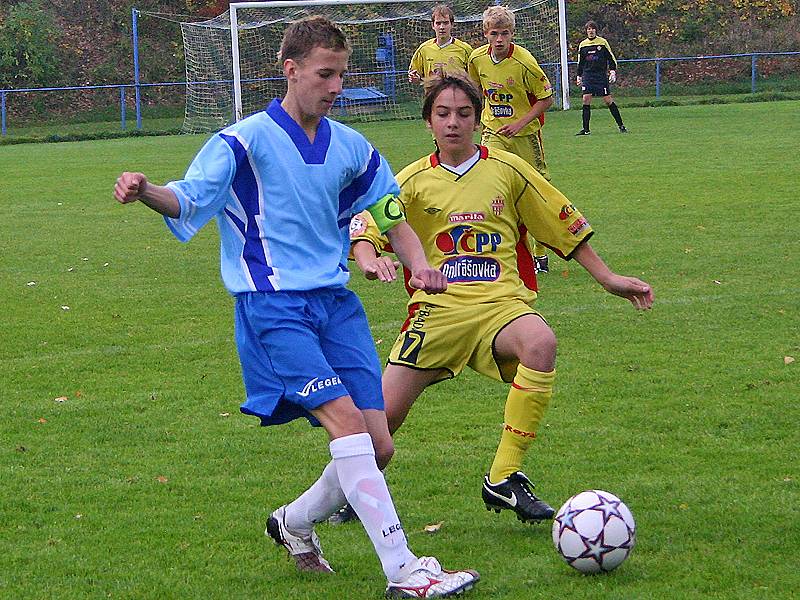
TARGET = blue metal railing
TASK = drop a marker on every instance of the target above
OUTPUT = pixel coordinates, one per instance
(5, 94)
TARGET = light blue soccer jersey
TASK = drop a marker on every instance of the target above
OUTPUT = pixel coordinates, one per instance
(282, 204)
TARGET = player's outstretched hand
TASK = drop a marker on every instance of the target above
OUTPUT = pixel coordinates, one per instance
(612, 77)
(637, 291)
(429, 280)
(414, 76)
(129, 187)
(383, 268)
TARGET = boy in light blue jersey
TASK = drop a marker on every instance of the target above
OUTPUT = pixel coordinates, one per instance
(282, 185)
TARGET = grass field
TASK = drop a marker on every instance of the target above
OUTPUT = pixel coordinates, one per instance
(126, 470)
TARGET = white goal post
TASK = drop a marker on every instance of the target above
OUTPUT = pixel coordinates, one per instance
(232, 68)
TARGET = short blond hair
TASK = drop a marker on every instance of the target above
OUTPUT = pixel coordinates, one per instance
(496, 17)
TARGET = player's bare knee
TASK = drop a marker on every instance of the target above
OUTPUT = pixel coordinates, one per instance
(384, 451)
(539, 352)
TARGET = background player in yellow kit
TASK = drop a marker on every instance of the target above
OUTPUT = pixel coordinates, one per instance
(442, 54)
(516, 95)
(486, 201)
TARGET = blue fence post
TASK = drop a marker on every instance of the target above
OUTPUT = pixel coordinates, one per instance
(658, 78)
(752, 73)
(3, 113)
(122, 107)
(135, 23)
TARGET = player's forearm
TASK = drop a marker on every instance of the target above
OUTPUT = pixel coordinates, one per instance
(407, 247)
(538, 109)
(161, 199)
(364, 254)
(591, 261)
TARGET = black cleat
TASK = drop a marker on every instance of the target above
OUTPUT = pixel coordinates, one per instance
(344, 515)
(514, 493)
(623, 129)
(540, 264)
(584, 132)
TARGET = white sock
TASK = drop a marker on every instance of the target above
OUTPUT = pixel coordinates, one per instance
(317, 503)
(366, 491)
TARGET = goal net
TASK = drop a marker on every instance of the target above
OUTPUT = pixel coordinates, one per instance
(383, 35)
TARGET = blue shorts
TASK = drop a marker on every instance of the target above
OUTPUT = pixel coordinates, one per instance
(299, 350)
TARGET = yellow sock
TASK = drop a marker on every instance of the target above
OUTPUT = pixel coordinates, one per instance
(529, 395)
(539, 250)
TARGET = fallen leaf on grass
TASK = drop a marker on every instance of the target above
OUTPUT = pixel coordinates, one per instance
(31, 283)
(718, 282)
(41, 420)
(433, 527)
(61, 399)
(565, 273)
(64, 307)
(787, 360)
(162, 479)
(224, 414)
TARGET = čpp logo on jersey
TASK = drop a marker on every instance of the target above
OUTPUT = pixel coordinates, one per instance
(462, 239)
(503, 109)
(317, 384)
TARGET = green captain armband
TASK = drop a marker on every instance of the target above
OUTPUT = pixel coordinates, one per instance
(387, 213)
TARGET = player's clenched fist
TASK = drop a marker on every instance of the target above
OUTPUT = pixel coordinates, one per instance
(429, 280)
(130, 187)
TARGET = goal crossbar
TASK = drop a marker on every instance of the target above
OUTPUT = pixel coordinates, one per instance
(232, 61)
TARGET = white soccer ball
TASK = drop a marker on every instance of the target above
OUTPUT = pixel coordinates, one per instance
(594, 531)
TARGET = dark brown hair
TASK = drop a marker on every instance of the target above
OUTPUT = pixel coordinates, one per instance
(591, 24)
(436, 84)
(302, 36)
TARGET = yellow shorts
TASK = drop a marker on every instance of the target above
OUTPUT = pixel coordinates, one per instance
(528, 147)
(437, 337)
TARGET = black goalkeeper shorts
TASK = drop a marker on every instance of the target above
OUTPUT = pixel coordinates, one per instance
(599, 88)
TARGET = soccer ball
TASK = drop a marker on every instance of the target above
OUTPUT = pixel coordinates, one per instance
(594, 531)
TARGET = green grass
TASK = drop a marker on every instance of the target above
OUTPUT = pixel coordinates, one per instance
(158, 118)
(147, 482)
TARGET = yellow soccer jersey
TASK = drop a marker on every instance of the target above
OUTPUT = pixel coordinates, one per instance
(450, 58)
(473, 226)
(509, 87)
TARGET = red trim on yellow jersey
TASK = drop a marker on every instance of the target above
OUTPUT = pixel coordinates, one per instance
(532, 99)
(412, 310)
(525, 263)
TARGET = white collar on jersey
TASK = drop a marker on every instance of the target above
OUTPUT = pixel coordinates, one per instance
(464, 166)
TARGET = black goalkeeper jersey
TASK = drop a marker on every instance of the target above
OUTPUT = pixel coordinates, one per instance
(595, 60)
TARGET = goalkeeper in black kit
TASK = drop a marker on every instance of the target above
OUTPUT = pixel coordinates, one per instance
(597, 68)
